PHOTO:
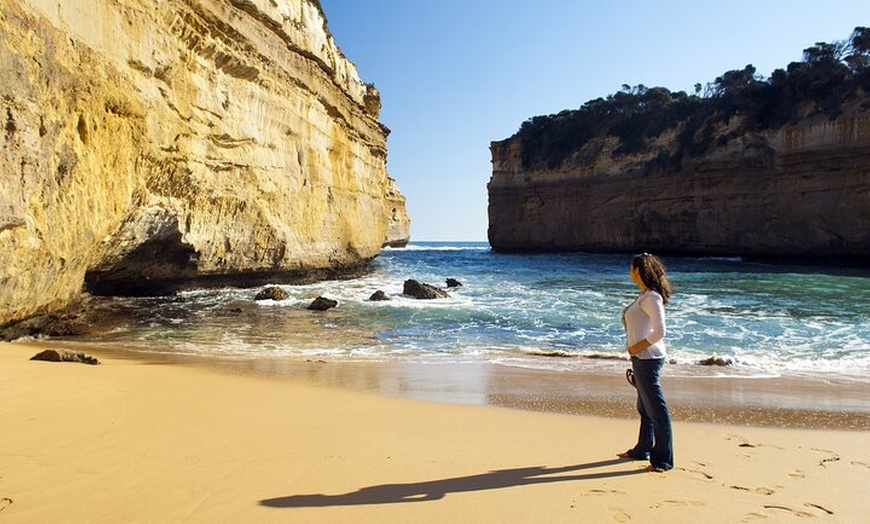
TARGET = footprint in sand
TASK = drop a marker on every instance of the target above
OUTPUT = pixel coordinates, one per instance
(742, 440)
(744, 443)
(749, 517)
(697, 474)
(618, 515)
(678, 503)
(860, 464)
(797, 474)
(758, 491)
(779, 509)
(820, 508)
(832, 457)
(596, 492)
(4, 503)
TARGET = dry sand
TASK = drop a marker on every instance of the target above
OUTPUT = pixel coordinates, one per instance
(132, 441)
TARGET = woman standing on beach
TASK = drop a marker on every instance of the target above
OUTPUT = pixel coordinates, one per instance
(644, 321)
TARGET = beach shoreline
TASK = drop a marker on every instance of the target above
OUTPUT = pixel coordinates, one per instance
(824, 402)
(137, 440)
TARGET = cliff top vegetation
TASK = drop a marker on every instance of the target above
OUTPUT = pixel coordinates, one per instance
(829, 76)
(319, 7)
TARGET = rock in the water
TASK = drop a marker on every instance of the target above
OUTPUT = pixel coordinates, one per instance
(716, 360)
(65, 355)
(322, 304)
(422, 290)
(378, 296)
(452, 282)
(272, 293)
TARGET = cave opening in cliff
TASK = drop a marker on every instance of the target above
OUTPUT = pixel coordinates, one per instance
(156, 267)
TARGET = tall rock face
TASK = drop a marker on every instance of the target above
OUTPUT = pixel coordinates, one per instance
(152, 145)
(399, 223)
(802, 190)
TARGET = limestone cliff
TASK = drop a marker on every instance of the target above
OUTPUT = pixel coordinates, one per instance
(800, 190)
(151, 145)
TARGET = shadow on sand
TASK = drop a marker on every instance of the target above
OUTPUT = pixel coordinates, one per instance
(437, 489)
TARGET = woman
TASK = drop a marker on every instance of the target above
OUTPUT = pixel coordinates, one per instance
(644, 321)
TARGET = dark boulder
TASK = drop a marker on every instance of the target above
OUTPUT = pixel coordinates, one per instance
(421, 290)
(272, 293)
(64, 355)
(379, 296)
(452, 282)
(86, 316)
(322, 304)
(716, 360)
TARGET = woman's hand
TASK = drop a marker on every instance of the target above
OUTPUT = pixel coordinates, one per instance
(638, 347)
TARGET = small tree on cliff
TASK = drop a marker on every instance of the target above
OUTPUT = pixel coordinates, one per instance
(829, 76)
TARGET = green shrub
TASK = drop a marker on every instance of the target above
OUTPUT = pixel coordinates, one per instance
(828, 76)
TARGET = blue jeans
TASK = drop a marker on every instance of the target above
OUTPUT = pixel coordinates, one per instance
(655, 439)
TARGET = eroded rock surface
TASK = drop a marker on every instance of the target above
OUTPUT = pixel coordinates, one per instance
(802, 190)
(149, 146)
(65, 355)
(422, 290)
(322, 304)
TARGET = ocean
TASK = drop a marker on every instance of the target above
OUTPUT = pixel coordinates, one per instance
(548, 312)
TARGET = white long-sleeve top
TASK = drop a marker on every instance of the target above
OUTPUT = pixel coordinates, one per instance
(645, 319)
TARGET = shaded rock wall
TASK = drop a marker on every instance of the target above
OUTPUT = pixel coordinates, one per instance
(801, 191)
(150, 145)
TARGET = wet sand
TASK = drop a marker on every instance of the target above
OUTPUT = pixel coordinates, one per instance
(140, 440)
(703, 395)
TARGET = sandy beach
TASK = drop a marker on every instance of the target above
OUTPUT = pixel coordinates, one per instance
(139, 441)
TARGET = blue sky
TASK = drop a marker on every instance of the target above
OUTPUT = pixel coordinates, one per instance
(456, 75)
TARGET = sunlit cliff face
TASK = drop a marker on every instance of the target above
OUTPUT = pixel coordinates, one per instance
(155, 145)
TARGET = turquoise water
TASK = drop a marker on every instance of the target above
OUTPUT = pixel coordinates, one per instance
(514, 308)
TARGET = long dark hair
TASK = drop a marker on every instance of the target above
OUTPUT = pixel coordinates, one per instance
(652, 273)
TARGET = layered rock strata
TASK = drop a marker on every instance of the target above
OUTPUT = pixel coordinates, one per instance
(152, 145)
(802, 191)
